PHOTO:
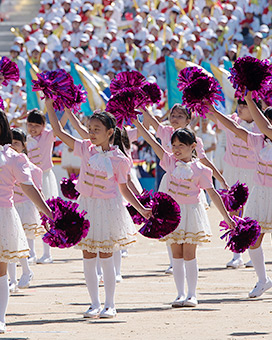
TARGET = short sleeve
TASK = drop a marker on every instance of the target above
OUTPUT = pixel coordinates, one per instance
(255, 141)
(21, 170)
(132, 134)
(222, 126)
(165, 162)
(50, 136)
(38, 177)
(79, 147)
(163, 131)
(200, 148)
(205, 180)
(123, 170)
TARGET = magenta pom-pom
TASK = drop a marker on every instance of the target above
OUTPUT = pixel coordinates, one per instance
(165, 217)
(267, 94)
(123, 105)
(145, 199)
(69, 225)
(125, 80)
(187, 75)
(244, 235)
(2, 104)
(10, 70)
(80, 97)
(250, 74)
(235, 198)
(153, 91)
(67, 186)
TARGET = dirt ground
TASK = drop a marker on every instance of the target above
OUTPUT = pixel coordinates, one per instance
(52, 307)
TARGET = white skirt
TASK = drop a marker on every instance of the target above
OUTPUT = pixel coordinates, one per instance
(233, 174)
(111, 227)
(135, 180)
(13, 242)
(50, 185)
(30, 218)
(68, 159)
(194, 227)
(258, 207)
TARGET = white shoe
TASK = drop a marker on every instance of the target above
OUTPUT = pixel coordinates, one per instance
(32, 260)
(93, 312)
(119, 278)
(179, 302)
(2, 327)
(13, 288)
(100, 280)
(169, 270)
(25, 279)
(260, 288)
(190, 302)
(235, 263)
(249, 264)
(124, 253)
(108, 312)
(45, 259)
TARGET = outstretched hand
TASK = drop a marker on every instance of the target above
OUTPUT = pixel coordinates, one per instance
(230, 222)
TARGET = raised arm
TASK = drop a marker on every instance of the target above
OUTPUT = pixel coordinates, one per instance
(262, 122)
(56, 126)
(158, 149)
(229, 124)
(77, 125)
(150, 119)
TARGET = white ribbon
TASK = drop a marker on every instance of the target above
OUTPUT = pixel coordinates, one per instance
(101, 161)
(183, 170)
(31, 143)
(266, 152)
(248, 126)
(2, 156)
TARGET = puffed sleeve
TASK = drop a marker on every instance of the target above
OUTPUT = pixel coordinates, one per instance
(205, 178)
(80, 147)
(21, 170)
(123, 170)
(166, 162)
(200, 148)
(255, 141)
(132, 134)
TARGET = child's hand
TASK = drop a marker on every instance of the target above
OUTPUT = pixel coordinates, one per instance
(49, 101)
(225, 185)
(135, 121)
(230, 222)
(248, 96)
(146, 213)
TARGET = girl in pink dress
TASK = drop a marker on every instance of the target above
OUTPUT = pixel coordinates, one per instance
(258, 206)
(13, 243)
(40, 143)
(185, 177)
(103, 175)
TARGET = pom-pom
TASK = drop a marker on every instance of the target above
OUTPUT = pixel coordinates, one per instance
(165, 216)
(153, 92)
(67, 186)
(123, 105)
(267, 95)
(2, 104)
(200, 91)
(235, 198)
(10, 70)
(80, 97)
(250, 74)
(244, 235)
(125, 80)
(68, 226)
(187, 75)
(144, 199)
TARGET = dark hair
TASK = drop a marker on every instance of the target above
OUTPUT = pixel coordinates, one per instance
(36, 116)
(268, 113)
(243, 102)
(185, 136)
(118, 140)
(182, 108)
(107, 119)
(5, 132)
(19, 135)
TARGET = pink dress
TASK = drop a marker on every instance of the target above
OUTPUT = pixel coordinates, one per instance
(258, 206)
(13, 168)
(111, 225)
(39, 151)
(184, 184)
(28, 212)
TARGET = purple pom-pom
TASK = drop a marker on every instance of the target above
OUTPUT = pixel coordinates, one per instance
(267, 95)
(153, 91)
(235, 198)
(199, 91)
(80, 97)
(187, 75)
(123, 105)
(250, 74)
(68, 226)
(244, 235)
(2, 104)
(67, 186)
(10, 70)
(165, 216)
(145, 199)
(125, 80)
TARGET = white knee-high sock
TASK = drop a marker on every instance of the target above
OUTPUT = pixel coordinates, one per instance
(237, 256)
(4, 295)
(46, 250)
(31, 244)
(117, 256)
(109, 280)
(91, 278)
(257, 258)
(12, 272)
(25, 266)
(191, 276)
(170, 255)
(179, 276)
(98, 266)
